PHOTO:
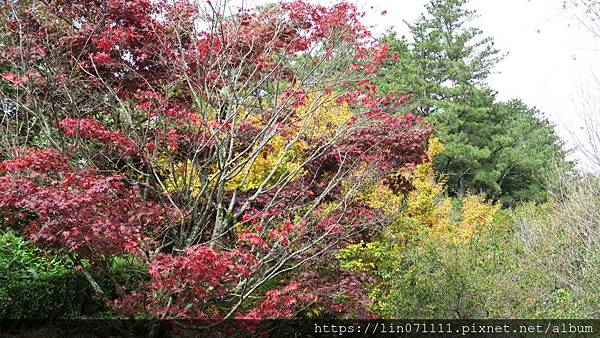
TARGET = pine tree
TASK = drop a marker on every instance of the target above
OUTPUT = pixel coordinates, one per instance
(446, 62)
(499, 149)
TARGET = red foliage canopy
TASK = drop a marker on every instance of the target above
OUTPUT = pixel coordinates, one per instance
(139, 124)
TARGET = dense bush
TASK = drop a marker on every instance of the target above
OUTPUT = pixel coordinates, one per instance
(537, 261)
(441, 279)
(560, 249)
(33, 285)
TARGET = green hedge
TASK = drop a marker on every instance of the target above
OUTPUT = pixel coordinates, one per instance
(36, 285)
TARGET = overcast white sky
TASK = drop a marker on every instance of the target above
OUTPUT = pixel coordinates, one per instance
(551, 58)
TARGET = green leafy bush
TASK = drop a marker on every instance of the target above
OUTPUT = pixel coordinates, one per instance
(443, 279)
(36, 285)
(560, 252)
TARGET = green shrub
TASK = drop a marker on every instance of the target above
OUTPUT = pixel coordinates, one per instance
(559, 259)
(440, 279)
(36, 285)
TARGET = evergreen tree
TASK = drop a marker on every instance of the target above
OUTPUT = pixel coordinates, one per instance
(446, 61)
(499, 149)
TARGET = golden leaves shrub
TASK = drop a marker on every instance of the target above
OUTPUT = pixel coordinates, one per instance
(423, 212)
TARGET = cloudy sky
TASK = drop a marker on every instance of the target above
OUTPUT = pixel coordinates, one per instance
(551, 61)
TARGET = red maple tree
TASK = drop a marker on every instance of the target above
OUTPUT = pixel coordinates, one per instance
(181, 132)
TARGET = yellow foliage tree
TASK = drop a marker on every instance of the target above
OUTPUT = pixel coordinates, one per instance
(423, 211)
